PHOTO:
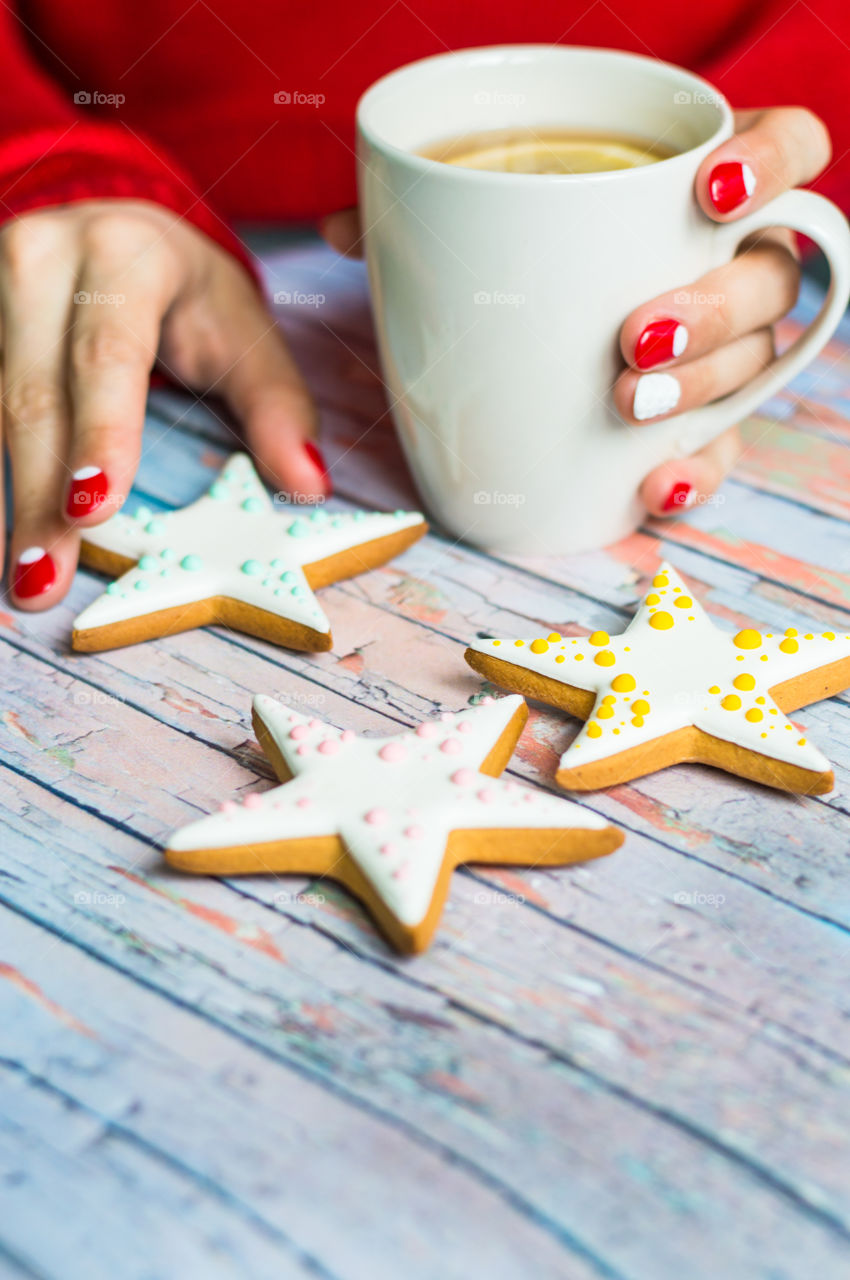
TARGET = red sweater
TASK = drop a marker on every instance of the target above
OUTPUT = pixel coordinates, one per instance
(199, 130)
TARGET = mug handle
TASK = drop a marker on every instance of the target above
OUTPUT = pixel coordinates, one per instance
(824, 223)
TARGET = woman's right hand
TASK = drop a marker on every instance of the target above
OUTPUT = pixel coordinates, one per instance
(92, 296)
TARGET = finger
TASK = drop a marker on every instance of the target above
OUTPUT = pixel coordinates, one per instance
(36, 282)
(780, 149)
(647, 397)
(237, 351)
(682, 483)
(343, 232)
(752, 292)
(123, 291)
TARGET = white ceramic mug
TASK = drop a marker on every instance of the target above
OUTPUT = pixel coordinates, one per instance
(498, 297)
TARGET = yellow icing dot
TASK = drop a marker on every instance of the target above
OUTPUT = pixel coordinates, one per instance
(623, 683)
(539, 646)
(560, 658)
(553, 637)
(764, 735)
(801, 742)
(683, 602)
(599, 638)
(496, 644)
(675, 589)
(763, 658)
(731, 702)
(809, 636)
(661, 580)
(829, 635)
(608, 700)
(637, 721)
(761, 700)
(605, 658)
(773, 711)
(653, 599)
(788, 646)
(604, 713)
(754, 715)
(519, 643)
(747, 639)
(791, 631)
(715, 688)
(640, 707)
(594, 731)
(616, 730)
(579, 657)
(661, 621)
(789, 726)
(744, 681)
(627, 648)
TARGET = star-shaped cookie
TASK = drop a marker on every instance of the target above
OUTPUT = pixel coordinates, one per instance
(391, 818)
(232, 557)
(673, 687)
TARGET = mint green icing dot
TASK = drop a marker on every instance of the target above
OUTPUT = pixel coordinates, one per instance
(289, 576)
(218, 489)
(337, 522)
(319, 516)
(141, 584)
(155, 527)
(148, 562)
(298, 529)
(112, 589)
(278, 564)
(252, 567)
(191, 562)
(168, 553)
(399, 513)
(297, 591)
(252, 504)
(360, 515)
(143, 513)
(165, 573)
(279, 591)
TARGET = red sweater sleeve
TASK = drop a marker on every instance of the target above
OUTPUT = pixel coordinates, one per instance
(51, 153)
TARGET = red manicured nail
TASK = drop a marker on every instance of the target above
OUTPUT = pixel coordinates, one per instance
(678, 495)
(660, 341)
(730, 184)
(34, 574)
(86, 492)
(318, 461)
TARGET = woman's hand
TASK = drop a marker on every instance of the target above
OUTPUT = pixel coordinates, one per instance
(709, 337)
(92, 296)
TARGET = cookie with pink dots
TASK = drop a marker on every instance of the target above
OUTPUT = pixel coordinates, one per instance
(391, 818)
(673, 687)
(235, 558)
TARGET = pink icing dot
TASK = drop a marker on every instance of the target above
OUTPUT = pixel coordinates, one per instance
(303, 750)
(347, 735)
(315, 724)
(303, 802)
(414, 832)
(445, 716)
(228, 807)
(376, 817)
(299, 732)
(402, 872)
(427, 730)
(487, 700)
(528, 797)
(450, 747)
(464, 727)
(252, 801)
(463, 777)
(392, 752)
(329, 747)
(486, 797)
(387, 850)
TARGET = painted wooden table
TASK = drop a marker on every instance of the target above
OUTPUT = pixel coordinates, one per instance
(636, 1069)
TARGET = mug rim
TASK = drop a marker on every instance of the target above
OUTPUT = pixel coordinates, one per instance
(527, 52)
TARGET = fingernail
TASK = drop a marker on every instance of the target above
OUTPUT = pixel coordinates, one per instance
(34, 574)
(679, 496)
(730, 185)
(86, 492)
(318, 461)
(660, 341)
(655, 393)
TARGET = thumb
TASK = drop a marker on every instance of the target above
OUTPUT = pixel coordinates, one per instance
(241, 356)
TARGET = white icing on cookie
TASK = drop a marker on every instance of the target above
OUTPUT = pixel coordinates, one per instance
(672, 668)
(232, 542)
(393, 801)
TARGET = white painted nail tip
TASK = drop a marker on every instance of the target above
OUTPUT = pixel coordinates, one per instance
(749, 179)
(680, 339)
(655, 393)
(86, 473)
(31, 555)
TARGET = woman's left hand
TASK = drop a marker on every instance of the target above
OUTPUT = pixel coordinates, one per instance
(709, 337)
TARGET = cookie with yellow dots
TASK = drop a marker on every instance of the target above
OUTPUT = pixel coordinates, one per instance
(674, 688)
